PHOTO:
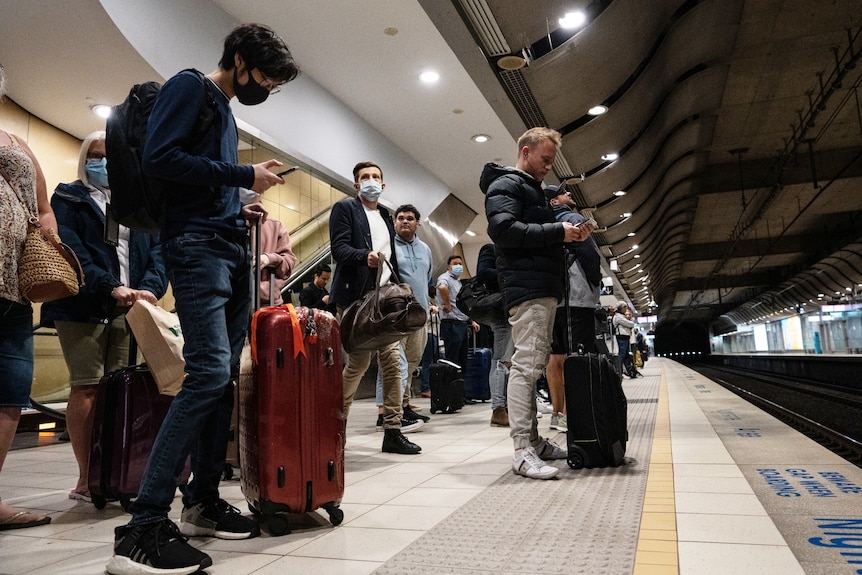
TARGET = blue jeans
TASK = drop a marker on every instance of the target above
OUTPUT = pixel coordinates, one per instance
(625, 360)
(210, 279)
(427, 359)
(16, 353)
(499, 376)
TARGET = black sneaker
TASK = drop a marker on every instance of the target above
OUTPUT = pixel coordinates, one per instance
(409, 413)
(217, 518)
(407, 425)
(395, 442)
(154, 548)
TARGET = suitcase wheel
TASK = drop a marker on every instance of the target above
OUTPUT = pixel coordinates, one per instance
(227, 474)
(99, 502)
(277, 524)
(576, 457)
(336, 515)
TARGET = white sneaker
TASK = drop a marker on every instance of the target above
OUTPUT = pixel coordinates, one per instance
(547, 449)
(558, 422)
(525, 462)
(543, 407)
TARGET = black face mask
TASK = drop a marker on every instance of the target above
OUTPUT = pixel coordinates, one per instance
(252, 93)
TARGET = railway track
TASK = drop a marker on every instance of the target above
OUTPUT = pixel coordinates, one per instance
(829, 414)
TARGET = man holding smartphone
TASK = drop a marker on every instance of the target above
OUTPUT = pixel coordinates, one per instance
(529, 248)
(205, 245)
(585, 278)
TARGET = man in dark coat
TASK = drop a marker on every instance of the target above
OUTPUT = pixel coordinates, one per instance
(361, 233)
(529, 244)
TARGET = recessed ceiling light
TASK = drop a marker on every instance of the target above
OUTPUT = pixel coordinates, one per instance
(610, 157)
(597, 110)
(470, 233)
(481, 138)
(619, 193)
(626, 215)
(631, 234)
(573, 20)
(429, 76)
(101, 110)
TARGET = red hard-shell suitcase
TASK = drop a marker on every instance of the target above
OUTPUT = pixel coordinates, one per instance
(292, 416)
(129, 411)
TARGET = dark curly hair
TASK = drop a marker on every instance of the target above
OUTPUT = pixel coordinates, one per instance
(260, 47)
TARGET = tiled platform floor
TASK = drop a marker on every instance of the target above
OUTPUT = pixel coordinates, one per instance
(707, 508)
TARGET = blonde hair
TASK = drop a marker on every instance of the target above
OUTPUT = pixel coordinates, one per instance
(82, 156)
(532, 137)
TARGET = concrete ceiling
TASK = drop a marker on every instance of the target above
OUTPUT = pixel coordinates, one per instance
(737, 122)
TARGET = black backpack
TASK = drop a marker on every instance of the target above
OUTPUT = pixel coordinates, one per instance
(138, 200)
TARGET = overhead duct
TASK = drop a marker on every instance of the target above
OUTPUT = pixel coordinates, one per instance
(485, 27)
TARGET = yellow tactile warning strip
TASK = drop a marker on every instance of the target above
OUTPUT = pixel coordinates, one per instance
(657, 541)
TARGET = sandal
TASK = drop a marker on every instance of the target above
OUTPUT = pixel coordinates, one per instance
(22, 520)
(80, 496)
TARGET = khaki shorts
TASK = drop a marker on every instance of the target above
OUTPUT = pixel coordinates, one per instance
(92, 350)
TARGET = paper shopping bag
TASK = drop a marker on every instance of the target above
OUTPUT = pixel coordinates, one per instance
(160, 340)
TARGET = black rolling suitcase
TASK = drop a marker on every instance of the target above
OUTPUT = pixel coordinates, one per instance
(447, 383)
(596, 411)
(596, 407)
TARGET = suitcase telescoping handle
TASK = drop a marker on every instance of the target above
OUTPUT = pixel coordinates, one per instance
(255, 273)
(567, 253)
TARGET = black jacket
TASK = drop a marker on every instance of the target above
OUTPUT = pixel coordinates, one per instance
(486, 267)
(528, 238)
(350, 238)
(81, 224)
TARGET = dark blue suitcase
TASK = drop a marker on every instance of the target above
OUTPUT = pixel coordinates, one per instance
(476, 385)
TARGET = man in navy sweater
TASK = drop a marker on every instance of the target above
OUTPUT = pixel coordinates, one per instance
(206, 252)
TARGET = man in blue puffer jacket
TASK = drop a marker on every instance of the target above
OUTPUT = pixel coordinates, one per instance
(529, 244)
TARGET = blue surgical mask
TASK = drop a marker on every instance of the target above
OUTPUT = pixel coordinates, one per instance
(457, 270)
(97, 172)
(370, 190)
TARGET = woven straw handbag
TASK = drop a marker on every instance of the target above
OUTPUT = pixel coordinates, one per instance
(48, 270)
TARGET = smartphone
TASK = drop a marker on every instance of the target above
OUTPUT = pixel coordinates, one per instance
(590, 222)
(287, 171)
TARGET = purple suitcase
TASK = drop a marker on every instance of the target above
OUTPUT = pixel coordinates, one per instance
(129, 411)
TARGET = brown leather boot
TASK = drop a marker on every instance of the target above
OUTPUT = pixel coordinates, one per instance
(500, 417)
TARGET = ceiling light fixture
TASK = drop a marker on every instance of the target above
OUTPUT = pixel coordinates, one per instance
(620, 193)
(481, 138)
(470, 233)
(101, 110)
(597, 110)
(429, 77)
(610, 157)
(631, 234)
(573, 20)
(511, 62)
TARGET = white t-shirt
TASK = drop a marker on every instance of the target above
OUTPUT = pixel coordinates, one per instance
(380, 239)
